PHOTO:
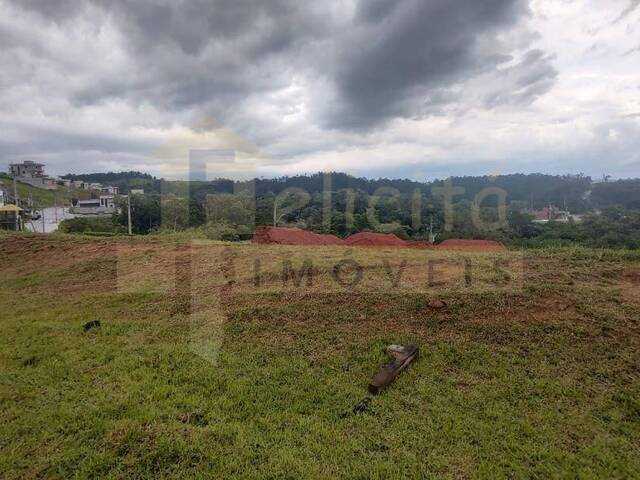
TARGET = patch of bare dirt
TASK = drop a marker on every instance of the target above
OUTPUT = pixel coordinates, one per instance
(472, 245)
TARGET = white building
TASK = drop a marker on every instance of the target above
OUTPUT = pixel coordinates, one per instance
(110, 190)
(105, 205)
(107, 201)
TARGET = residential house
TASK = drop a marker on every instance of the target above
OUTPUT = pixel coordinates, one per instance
(50, 182)
(105, 205)
(26, 169)
(551, 213)
(32, 173)
(110, 190)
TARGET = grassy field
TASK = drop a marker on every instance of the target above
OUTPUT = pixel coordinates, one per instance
(212, 363)
(44, 198)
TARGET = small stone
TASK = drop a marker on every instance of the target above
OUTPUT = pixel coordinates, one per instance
(92, 324)
(437, 304)
(362, 406)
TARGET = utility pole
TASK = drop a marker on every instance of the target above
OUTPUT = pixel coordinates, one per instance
(15, 191)
(15, 198)
(55, 206)
(129, 211)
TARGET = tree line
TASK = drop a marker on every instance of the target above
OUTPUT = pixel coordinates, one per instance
(223, 209)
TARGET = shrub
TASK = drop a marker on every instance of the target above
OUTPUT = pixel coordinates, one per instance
(221, 231)
(90, 225)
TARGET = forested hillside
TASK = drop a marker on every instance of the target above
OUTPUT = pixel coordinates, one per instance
(498, 207)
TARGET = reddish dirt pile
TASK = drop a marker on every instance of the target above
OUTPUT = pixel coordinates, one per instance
(292, 236)
(296, 236)
(472, 245)
(368, 239)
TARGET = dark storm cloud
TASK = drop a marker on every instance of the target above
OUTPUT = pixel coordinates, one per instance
(54, 10)
(313, 83)
(399, 51)
(248, 27)
(51, 139)
(209, 54)
(390, 60)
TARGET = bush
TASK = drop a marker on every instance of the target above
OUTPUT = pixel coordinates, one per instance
(221, 231)
(90, 225)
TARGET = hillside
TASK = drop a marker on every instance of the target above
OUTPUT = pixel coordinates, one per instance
(44, 198)
(576, 211)
(123, 180)
(536, 189)
(200, 370)
(577, 192)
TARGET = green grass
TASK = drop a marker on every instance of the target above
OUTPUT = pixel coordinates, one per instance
(509, 384)
(44, 198)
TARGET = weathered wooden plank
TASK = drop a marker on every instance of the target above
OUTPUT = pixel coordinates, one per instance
(402, 357)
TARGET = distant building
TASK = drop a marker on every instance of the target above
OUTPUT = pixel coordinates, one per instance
(80, 185)
(551, 213)
(110, 190)
(105, 205)
(32, 173)
(49, 182)
(137, 191)
(2, 197)
(27, 169)
(107, 201)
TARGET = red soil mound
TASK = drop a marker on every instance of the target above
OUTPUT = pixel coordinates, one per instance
(472, 245)
(293, 236)
(368, 239)
(296, 236)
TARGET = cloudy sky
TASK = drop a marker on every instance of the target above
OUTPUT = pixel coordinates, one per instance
(400, 88)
